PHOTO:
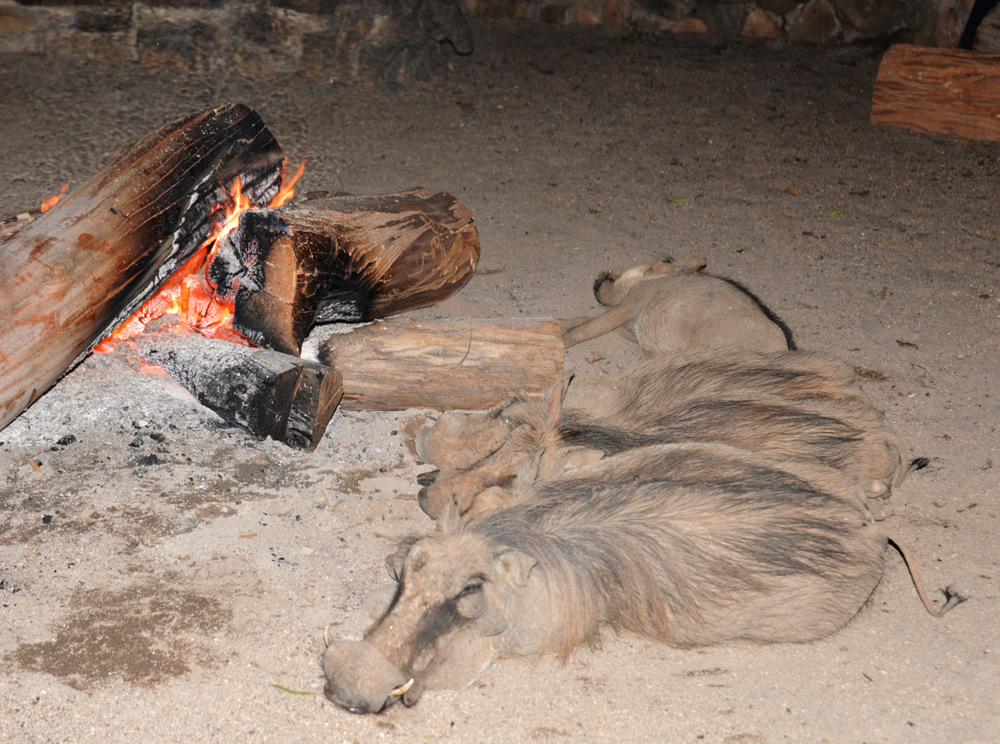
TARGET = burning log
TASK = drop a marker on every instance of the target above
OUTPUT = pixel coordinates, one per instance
(941, 91)
(76, 272)
(342, 259)
(445, 365)
(266, 392)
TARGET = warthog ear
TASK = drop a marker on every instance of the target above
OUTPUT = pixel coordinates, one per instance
(553, 399)
(558, 460)
(679, 267)
(394, 561)
(492, 499)
(513, 567)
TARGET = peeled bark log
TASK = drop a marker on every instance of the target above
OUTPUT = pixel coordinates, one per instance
(940, 91)
(445, 364)
(342, 259)
(268, 393)
(75, 273)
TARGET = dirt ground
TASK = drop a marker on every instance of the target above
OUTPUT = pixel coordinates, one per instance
(165, 577)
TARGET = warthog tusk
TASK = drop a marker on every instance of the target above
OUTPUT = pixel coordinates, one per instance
(326, 637)
(401, 690)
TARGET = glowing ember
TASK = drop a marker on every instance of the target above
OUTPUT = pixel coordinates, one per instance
(188, 294)
(50, 201)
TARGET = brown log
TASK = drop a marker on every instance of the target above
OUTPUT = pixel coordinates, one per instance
(268, 393)
(445, 364)
(941, 91)
(76, 272)
(343, 259)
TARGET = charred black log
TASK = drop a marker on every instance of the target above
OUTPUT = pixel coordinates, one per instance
(268, 393)
(343, 259)
(76, 272)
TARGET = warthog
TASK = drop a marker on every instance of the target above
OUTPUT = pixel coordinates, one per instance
(790, 405)
(669, 306)
(689, 544)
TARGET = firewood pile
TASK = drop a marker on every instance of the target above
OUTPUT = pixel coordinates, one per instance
(193, 220)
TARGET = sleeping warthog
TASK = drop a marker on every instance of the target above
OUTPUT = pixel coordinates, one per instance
(790, 405)
(669, 307)
(688, 544)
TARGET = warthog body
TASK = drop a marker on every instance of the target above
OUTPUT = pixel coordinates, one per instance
(790, 405)
(669, 307)
(689, 544)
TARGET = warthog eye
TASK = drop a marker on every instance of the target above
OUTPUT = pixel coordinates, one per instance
(471, 588)
(470, 603)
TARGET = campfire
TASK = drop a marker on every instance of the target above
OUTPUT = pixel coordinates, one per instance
(192, 232)
(189, 294)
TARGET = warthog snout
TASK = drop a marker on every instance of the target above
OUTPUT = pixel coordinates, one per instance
(361, 680)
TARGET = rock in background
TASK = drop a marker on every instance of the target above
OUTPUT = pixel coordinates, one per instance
(930, 22)
(395, 41)
(334, 40)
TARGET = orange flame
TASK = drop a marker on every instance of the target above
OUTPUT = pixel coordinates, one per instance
(287, 191)
(50, 201)
(188, 294)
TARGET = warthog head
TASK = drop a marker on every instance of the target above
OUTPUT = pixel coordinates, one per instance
(611, 289)
(446, 622)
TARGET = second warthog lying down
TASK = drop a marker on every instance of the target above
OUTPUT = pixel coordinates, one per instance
(790, 405)
(671, 306)
(689, 544)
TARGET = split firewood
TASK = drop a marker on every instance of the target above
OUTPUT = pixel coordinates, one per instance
(268, 393)
(76, 272)
(941, 91)
(444, 364)
(342, 259)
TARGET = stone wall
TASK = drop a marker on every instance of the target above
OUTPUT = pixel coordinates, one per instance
(384, 40)
(400, 40)
(929, 22)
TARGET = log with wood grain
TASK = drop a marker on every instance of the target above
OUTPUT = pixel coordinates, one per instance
(941, 91)
(387, 366)
(73, 274)
(76, 272)
(268, 393)
(445, 364)
(342, 259)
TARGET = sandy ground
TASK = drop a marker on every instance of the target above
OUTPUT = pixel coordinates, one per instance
(164, 577)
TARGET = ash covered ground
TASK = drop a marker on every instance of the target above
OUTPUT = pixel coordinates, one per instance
(166, 577)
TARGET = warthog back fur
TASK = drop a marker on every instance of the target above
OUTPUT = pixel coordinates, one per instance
(689, 544)
(669, 307)
(789, 405)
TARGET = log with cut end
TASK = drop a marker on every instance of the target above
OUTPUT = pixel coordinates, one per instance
(343, 259)
(76, 272)
(445, 364)
(268, 393)
(941, 91)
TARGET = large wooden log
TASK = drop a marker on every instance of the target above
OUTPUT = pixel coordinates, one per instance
(268, 393)
(72, 275)
(342, 259)
(941, 91)
(444, 364)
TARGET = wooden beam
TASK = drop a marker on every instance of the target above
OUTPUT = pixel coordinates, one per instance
(445, 364)
(941, 91)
